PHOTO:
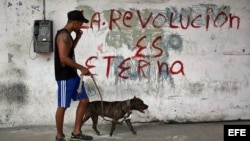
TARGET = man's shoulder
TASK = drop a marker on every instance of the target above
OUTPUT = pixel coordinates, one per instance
(62, 32)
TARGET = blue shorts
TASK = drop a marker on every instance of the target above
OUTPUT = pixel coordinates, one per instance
(67, 91)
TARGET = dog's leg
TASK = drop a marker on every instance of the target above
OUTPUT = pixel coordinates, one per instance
(130, 126)
(95, 121)
(114, 122)
(85, 118)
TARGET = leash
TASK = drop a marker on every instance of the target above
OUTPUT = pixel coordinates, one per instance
(79, 91)
(99, 95)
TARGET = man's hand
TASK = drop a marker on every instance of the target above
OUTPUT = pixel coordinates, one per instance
(85, 71)
(78, 34)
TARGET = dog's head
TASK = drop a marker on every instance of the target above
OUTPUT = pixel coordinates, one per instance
(138, 104)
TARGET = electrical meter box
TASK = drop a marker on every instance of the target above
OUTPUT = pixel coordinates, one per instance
(43, 36)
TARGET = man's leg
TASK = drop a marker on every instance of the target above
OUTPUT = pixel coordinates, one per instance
(80, 111)
(59, 121)
(63, 103)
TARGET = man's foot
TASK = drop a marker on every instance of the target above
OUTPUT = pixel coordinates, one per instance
(63, 138)
(80, 136)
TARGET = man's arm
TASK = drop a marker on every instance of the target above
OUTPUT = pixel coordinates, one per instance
(64, 43)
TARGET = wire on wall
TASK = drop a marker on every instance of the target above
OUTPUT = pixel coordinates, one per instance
(33, 58)
(44, 17)
(34, 38)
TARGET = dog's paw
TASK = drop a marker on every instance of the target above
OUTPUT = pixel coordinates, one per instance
(135, 133)
(99, 133)
(111, 134)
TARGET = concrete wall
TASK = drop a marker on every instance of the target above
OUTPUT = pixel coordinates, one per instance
(188, 60)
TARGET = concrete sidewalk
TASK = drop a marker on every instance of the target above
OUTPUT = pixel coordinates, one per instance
(146, 132)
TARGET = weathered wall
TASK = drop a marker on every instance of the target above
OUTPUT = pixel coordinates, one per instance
(189, 61)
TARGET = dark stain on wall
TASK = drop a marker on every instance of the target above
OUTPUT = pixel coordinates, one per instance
(9, 4)
(91, 88)
(196, 88)
(15, 92)
(10, 56)
(226, 86)
(15, 72)
(218, 87)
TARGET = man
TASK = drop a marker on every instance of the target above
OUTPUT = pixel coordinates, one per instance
(67, 77)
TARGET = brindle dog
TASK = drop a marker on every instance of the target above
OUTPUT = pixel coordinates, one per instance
(114, 110)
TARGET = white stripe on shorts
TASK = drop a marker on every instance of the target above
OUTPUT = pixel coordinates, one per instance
(63, 93)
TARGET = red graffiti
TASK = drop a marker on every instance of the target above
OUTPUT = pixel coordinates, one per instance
(170, 70)
(108, 63)
(100, 48)
(89, 66)
(144, 24)
(113, 19)
(141, 64)
(123, 67)
(119, 19)
(128, 15)
(154, 46)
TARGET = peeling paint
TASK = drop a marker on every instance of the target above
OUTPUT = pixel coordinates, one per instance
(14, 92)
(196, 88)
(9, 4)
(91, 88)
(20, 3)
(10, 56)
(35, 7)
(226, 87)
(175, 42)
(14, 46)
(15, 72)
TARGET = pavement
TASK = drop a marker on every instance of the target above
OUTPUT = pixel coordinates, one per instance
(153, 131)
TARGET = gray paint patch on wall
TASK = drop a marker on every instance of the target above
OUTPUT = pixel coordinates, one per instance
(14, 92)
(226, 86)
(15, 72)
(91, 88)
(10, 56)
(9, 4)
(196, 88)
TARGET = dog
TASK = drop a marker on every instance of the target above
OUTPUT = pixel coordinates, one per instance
(115, 110)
